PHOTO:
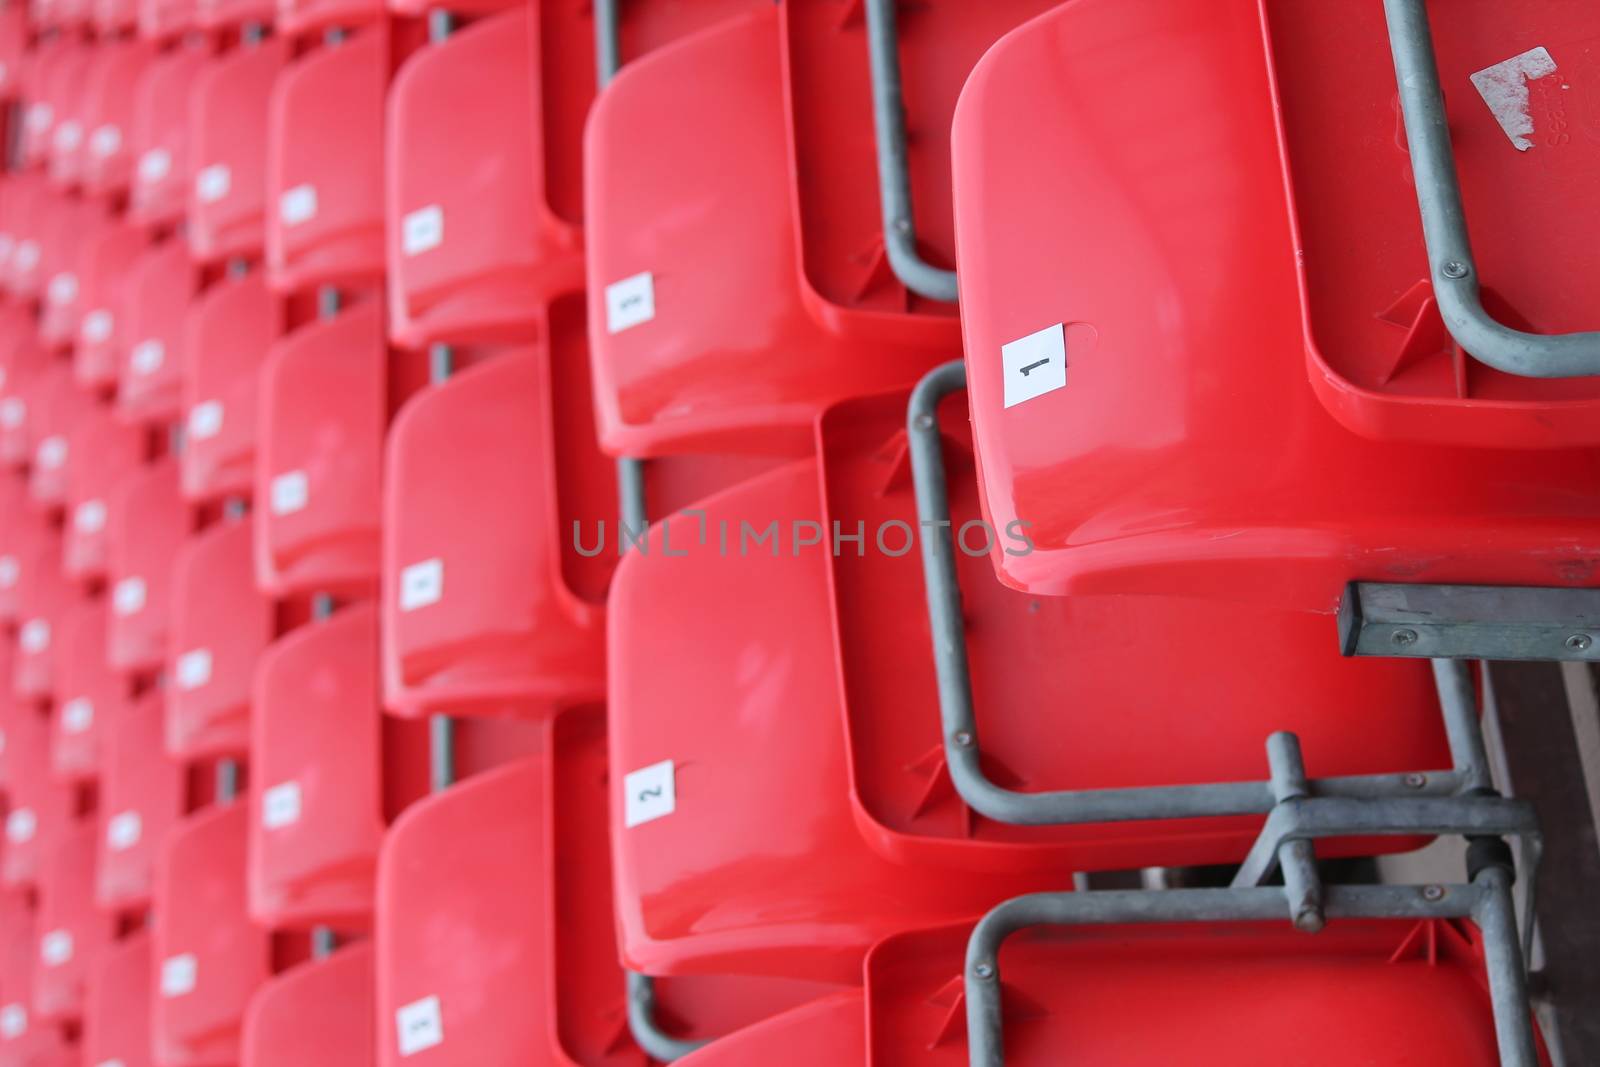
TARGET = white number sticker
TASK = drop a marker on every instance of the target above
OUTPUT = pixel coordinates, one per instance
(298, 205)
(178, 974)
(77, 715)
(649, 793)
(422, 229)
(630, 302)
(1034, 365)
(280, 806)
(421, 584)
(128, 596)
(123, 830)
(290, 491)
(419, 1025)
(193, 668)
(205, 420)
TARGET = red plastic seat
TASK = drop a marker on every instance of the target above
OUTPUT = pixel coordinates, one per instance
(164, 20)
(317, 1013)
(142, 795)
(29, 207)
(228, 117)
(300, 17)
(207, 958)
(57, 407)
(325, 222)
(1185, 453)
(13, 49)
(315, 752)
(61, 308)
(50, 71)
(160, 131)
(114, 17)
(155, 298)
(227, 335)
(10, 709)
(146, 525)
(477, 250)
(71, 931)
(116, 450)
(44, 597)
(24, 1040)
(89, 694)
(116, 1018)
(39, 807)
(107, 258)
(223, 14)
(107, 160)
(25, 542)
(489, 609)
(319, 440)
(64, 153)
(220, 626)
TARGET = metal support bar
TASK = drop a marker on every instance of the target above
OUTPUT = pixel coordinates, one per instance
(441, 24)
(1444, 221)
(227, 781)
(1295, 856)
(1495, 622)
(1462, 727)
(327, 302)
(441, 728)
(607, 42)
(894, 173)
(323, 942)
(656, 1043)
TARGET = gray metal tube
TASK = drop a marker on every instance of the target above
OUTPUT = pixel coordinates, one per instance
(323, 942)
(1496, 916)
(227, 781)
(1297, 857)
(327, 302)
(607, 42)
(1444, 222)
(441, 24)
(441, 728)
(894, 174)
(1459, 703)
(657, 1044)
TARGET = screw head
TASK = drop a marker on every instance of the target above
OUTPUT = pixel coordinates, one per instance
(1416, 781)
(924, 422)
(1403, 637)
(984, 970)
(1579, 642)
(1433, 892)
(1454, 269)
(963, 738)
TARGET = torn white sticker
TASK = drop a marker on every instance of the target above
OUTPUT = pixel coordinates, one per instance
(421, 584)
(205, 420)
(280, 806)
(298, 205)
(630, 302)
(128, 596)
(89, 517)
(123, 830)
(212, 183)
(178, 974)
(290, 491)
(96, 328)
(649, 793)
(21, 826)
(1034, 365)
(1504, 87)
(77, 715)
(193, 668)
(422, 229)
(55, 948)
(419, 1025)
(34, 637)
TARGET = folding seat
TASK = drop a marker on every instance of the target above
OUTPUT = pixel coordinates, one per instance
(74, 227)
(776, 298)
(56, 407)
(106, 165)
(319, 1012)
(227, 334)
(44, 596)
(63, 162)
(319, 434)
(489, 607)
(149, 332)
(477, 251)
(24, 544)
(24, 1040)
(116, 450)
(146, 525)
(325, 167)
(89, 694)
(115, 18)
(107, 259)
(1185, 453)
(315, 760)
(167, 20)
(116, 1023)
(71, 931)
(160, 130)
(13, 49)
(207, 957)
(301, 17)
(40, 808)
(220, 625)
(51, 60)
(226, 14)
(228, 121)
(141, 799)
(29, 205)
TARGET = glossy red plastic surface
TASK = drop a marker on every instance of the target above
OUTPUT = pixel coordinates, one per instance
(306, 16)
(29, 207)
(70, 932)
(325, 222)
(489, 609)
(206, 957)
(159, 133)
(315, 759)
(89, 694)
(1186, 453)
(116, 1020)
(1376, 349)
(227, 335)
(741, 352)
(25, 1041)
(155, 298)
(163, 20)
(115, 451)
(107, 259)
(43, 598)
(51, 71)
(39, 809)
(220, 626)
(26, 542)
(831, 1030)
(141, 799)
(13, 42)
(57, 408)
(751, 740)
(475, 249)
(65, 151)
(318, 1014)
(319, 440)
(106, 165)
(228, 123)
(146, 524)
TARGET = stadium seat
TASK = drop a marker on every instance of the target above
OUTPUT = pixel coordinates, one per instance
(70, 930)
(25, 543)
(301, 17)
(489, 609)
(325, 221)
(227, 335)
(1185, 453)
(159, 290)
(60, 252)
(319, 433)
(10, 708)
(316, 763)
(160, 130)
(115, 17)
(43, 598)
(13, 45)
(220, 626)
(207, 957)
(54, 69)
(29, 205)
(24, 1040)
(318, 1014)
(116, 1020)
(55, 410)
(228, 120)
(64, 154)
(830, 1030)
(107, 258)
(141, 799)
(39, 808)
(475, 251)
(89, 694)
(232, 14)
(116, 450)
(146, 524)
(107, 162)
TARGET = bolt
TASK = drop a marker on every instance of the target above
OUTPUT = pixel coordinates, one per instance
(1454, 269)
(1404, 637)
(1416, 781)
(983, 970)
(1579, 642)
(924, 422)
(1433, 892)
(963, 738)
